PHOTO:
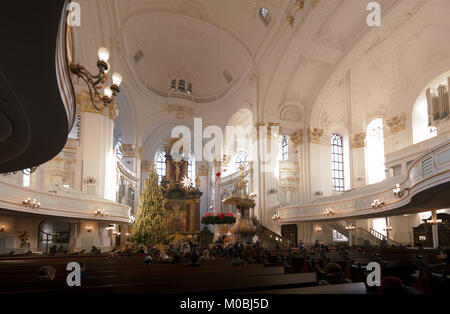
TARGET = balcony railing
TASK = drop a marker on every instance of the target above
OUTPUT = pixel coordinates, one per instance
(431, 169)
(71, 205)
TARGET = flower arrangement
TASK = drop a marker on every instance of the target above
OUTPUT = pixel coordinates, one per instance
(218, 219)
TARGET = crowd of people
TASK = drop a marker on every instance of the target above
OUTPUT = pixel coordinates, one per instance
(193, 254)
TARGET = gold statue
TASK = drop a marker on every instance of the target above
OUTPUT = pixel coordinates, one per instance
(177, 171)
(197, 183)
(168, 142)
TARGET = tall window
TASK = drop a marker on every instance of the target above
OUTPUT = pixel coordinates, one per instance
(379, 225)
(26, 180)
(430, 108)
(265, 16)
(375, 152)
(241, 158)
(337, 162)
(339, 237)
(191, 166)
(284, 148)
(161, 165)
(181, 86)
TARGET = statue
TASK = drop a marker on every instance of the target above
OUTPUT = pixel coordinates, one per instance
(177, 171)
(197, 183)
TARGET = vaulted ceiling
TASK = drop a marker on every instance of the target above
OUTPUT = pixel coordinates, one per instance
(300, 67)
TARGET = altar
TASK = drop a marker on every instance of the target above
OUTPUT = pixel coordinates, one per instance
(182, 200)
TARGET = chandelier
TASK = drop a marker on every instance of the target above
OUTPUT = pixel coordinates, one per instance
(350, 228)
(377, 204)
(398, 192)
(98, 213)
(276, 217)
(31, 203)
(97, 81)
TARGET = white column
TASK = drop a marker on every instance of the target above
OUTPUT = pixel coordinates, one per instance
(217, 196)
(388, 226)
(435, 230)
(350, 238)
(96, 141)
(202, 172)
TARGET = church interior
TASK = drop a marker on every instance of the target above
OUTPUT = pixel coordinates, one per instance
(228, 146)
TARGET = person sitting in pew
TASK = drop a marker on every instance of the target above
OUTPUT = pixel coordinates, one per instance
(393, 285)
(176, 258)
(148, 260)
(53, 250)
(163, 257)
(333, 276)
(95, 251)
(114, 254)
(46, 273)
(249, 254)
(236, 260)
(186, 250)
(206, 256)
(141, 249)
(83, 268)
(194, 259)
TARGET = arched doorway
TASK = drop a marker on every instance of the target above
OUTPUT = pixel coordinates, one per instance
(53, 233)
(290, 232)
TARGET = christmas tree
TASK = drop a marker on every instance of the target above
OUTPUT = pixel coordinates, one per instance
(151, 223)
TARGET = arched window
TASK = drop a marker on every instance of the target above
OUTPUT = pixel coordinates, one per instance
(265, 16)
(284, 148)
(375, 152)
(421, 130)
(182, 86)
(337, 162)
(379, 225)
(241, 158)
(26, 180)
(161, 165)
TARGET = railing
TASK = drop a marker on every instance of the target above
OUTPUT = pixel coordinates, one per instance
(189, 97)
(373, 236)
(381, 237)
(377, 235)
(432, 168)
(61, 204)
(265, 232)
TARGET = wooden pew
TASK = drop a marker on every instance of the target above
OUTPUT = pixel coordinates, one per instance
(349, 288)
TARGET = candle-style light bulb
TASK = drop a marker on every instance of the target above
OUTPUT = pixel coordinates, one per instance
(108, 92)
(117, 79)
(103, 54)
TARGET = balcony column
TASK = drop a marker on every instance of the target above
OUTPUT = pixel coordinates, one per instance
(388, 228)
(202, 175)
(434, 229)
(350, 238)
(217, 196)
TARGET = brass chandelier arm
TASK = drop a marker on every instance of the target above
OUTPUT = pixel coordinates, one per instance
(93, 82)
(93, 91)
(96, 82)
